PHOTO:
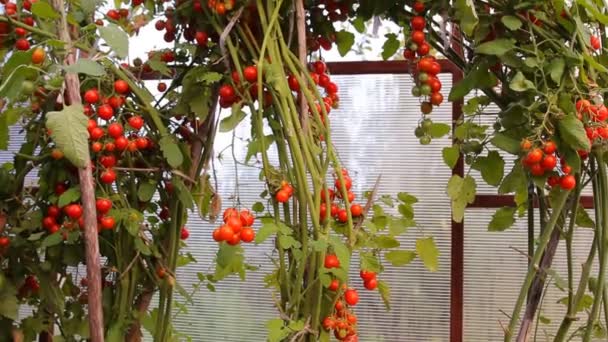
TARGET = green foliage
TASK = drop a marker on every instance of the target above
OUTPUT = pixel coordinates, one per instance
(502, 219)
(69, 131)
(116, 39)
(462, 192)
(428, 252)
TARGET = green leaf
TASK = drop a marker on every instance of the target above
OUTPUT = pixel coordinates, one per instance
(385, 293)
(288, 242)
(142, 247)
(229, 123)
(462, 192)
(146, 190)
(345, 41)
(572, 132)
(9, 306)
(397, 227)
(467, 15)
(594, 11)
(438, 130)
(89, 6)
(44, 10)
(496, 47)
(428, 253)
(594, 64)
(116, 39)
(183, 193)
(52, 240)
(502, 219)
(171, 151)
(520, 83)
(406, 198)
(511, 22)
(359, 24)
(157, 65)
(385, 242)
(71, 195)
(369, 262)
(258, 207)
(87, 67)
(491, 167)
(341, 250)
(277, 331)
(8, 118)
(391, 45)
(583, 219)
(556, 70)
(12, 85)
(400, 258)
(267, 229)
(506, 143)
(451, 155)
(478, 77)
(69, 132)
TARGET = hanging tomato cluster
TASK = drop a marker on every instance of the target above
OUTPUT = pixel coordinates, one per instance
(343, 321)
(544, 161)
(426, 68)
(336, 210)
(284, 193)
(237, 227)
(18, 35)
(322, 17)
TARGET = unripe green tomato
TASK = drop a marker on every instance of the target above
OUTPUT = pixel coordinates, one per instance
(419, 132)
(413, 46)
(425, 140)
(426, 124)
(425, 90)
(472, 147)
(28, 87)
(423, 77)
(416, 91)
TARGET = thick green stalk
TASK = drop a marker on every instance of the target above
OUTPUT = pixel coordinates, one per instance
(602, 243)
(560, 202)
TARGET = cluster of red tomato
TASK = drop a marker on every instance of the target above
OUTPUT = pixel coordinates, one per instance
(284, 193)
(72, 214)
(237, 227)
(340, 214)
(541, 161)
(228, 93)
(343, 321)
(19, 34)
(324, 15)
(220, 7)
(30, 286)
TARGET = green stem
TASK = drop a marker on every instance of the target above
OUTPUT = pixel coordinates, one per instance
(560, 202)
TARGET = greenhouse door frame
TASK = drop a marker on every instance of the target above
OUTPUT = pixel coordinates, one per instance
(481, 200)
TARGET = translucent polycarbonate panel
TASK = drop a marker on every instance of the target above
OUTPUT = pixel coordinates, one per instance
(494, 268)
(374, 133)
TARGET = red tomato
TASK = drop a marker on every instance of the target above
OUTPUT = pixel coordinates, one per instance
(550, 147)
(549, 162)
(121, 143)
(103, 205)
(105, 112)
(334, 285)
(225, 233)
(22, 44)
(251, 74)
(418, 23)
(137, 122)
(282, 196)
(107, 160)
(568, 182)
(418, 37)
(351, 296)
(247, 234)
(115, 130)
(201, 38)
(74, 211)
(234, 222)
(371, 284)
(595, 43)
(107, 222)
(108, 176)
(184, 233)
(367, 275)
(418, 7)
(331, 261)
(534, 156)
(247, 218)
(53, 211)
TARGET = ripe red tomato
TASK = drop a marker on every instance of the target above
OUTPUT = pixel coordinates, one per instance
(328, 323)
(582, 105)
(331, 261)
(160, 25)
(113, 14)
(434, 68)
(53, 211)
(121, 86)
(534, 156)
(602, 114)
(251, 74)
(418, 23)
(351, 296)
(425, 64)
(324, 80)
(234, 222)
(216, 235)
(184, 233)
(293, 83)
(331, 88)
(247, 234)
(339, 306)
(105, 112)
(115, 130)
(418, 37)
(48, 222)
(423, 49)
(107, 222)
(96, 147)
(60, 188)
(282, 196)
(595, 43)
(566, 169)
(103, 205)
(553, 180)
(418, 7)
(201, 38)
(161, 272)
(435, 85)
(568, 182)
(537, 170)
(96, 133)
(22, 44)
(142, 143)
(234, 240)
(436, 99)
(227, 92)
(334, 285)
(367, 275)
(226, 233)
(108, 176)
(549, 147)
(107, 160)
(56, 154)
(342, 215)
(137, 122)
(371, 284)
(348, 183)
(4, 241)
(549, 162)
(74, 211)
(121, 143)
(247, 218)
